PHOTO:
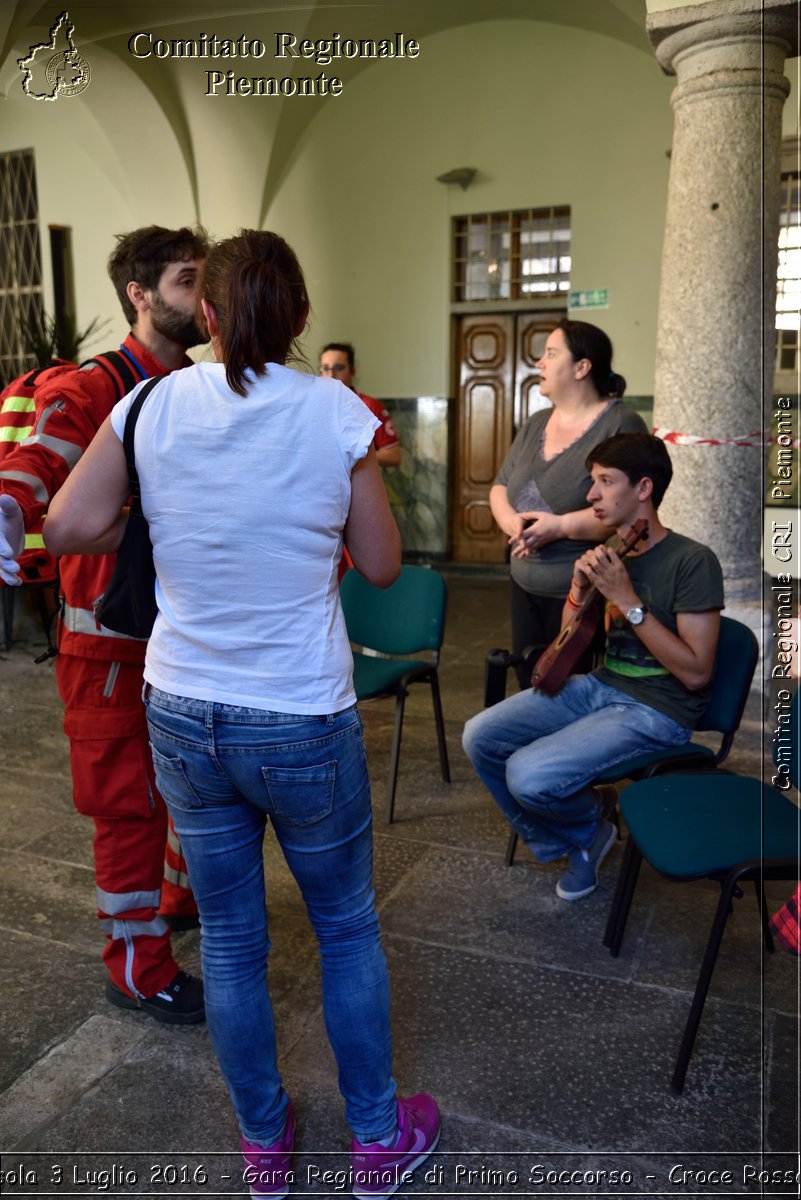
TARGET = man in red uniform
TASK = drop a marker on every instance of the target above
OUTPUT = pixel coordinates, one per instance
(17, 418)
(338, 361)
(156, 273)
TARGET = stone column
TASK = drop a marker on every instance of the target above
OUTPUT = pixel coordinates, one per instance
(714, 356)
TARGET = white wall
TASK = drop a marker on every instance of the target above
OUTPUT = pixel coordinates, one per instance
(106, 162)
(548, 116)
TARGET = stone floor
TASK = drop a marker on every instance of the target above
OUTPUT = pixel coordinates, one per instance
(546, 1054)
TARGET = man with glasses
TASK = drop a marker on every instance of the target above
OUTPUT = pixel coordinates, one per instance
(338, 361)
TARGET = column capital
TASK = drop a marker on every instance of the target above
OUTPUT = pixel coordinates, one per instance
(678, 33)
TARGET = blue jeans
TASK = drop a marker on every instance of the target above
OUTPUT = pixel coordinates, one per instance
(538, 755)
(223, 770)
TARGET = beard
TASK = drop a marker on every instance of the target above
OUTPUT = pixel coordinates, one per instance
(180, 327)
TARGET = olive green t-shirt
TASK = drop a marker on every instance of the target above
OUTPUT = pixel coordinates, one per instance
(677, 575)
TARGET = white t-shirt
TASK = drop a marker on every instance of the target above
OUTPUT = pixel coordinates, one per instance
(246, 498)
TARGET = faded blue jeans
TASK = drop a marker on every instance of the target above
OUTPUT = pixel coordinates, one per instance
(538, 755)
(223, 770)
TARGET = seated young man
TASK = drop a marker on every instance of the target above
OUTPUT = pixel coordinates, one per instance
(538, 754)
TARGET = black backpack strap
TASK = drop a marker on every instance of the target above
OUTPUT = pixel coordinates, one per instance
(128, 440)
(124, 377)
(32, 379)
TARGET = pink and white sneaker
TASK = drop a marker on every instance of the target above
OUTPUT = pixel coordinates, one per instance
(379, 1170)
(267, 1168)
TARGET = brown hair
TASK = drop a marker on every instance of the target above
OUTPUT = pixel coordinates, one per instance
(638, 455)
(259, 294)
(345, 348)
(143, 255)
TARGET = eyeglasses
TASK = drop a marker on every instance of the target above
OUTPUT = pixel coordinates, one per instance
(336, 369)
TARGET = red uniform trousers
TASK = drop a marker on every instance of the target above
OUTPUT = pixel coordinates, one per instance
(114, 783)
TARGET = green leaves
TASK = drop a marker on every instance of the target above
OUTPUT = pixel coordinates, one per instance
(49, 337)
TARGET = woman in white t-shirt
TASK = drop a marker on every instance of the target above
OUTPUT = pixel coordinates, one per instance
(253, 476)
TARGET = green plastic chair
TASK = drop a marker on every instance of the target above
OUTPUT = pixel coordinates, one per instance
(400, 620)
(735, 663)
(712, 826)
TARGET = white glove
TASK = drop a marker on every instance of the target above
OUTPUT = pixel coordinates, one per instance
(12, 540)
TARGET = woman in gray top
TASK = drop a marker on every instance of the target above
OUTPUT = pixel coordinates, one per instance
(539, 494)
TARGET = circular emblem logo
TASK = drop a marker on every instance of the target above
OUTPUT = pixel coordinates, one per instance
(69, 73)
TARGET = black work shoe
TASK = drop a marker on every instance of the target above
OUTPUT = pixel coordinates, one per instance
(178, 922)
(180, 1003)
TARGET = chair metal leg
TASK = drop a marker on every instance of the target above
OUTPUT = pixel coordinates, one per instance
(607, 798)
(440, 724)
(8, 616)
(614, 908)
(624, 894)
(704, 979)
(767, 936)
(511, 846)
(496, 665)
(395, 753)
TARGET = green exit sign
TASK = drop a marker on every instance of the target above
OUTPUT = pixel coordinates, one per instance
(592, 298)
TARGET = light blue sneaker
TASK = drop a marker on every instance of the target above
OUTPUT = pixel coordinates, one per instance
(581, 877)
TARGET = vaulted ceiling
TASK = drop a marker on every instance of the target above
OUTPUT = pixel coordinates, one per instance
(277, 128)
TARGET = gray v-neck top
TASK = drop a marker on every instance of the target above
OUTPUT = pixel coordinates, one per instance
(558, 485)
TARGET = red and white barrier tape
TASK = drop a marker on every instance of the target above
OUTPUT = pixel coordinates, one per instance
(757, 438)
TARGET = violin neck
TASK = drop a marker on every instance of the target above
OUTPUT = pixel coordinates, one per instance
(635, 535)
(586, 604)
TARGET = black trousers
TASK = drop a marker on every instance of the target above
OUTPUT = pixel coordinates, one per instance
(536, 620)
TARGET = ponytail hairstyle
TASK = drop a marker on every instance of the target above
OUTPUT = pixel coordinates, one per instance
(590, 342)
(256, 286)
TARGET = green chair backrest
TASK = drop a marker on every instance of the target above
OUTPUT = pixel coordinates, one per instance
(737, 654)
(401, 619)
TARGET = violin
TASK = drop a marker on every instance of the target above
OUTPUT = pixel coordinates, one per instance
(556, 663)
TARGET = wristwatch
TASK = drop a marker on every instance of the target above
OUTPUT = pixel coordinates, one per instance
(636, 616)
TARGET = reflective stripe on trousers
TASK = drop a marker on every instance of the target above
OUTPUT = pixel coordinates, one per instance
(114, 903)
(125, 930)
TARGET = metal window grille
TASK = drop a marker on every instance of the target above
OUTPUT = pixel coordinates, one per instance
(788, 284)
(521, 255)
(20, 260)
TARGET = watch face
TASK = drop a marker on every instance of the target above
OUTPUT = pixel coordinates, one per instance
(635, 616)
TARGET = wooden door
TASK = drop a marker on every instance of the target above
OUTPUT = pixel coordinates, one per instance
(531, 333)
(497, 393)
(485, 348)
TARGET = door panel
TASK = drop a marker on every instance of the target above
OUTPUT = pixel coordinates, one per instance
(497, 393)
(532, 333)
(485, 349)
